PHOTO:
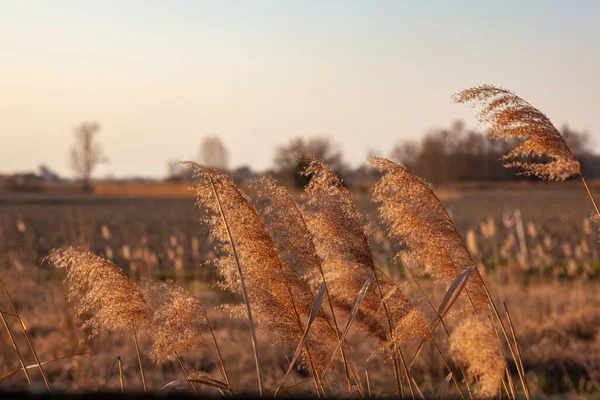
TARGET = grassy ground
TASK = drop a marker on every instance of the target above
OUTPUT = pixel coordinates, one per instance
(550, 291)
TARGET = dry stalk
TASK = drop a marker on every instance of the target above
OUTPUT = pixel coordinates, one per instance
(139, 357)
(185, 371)
(287, 223)
(12, 340)
(243, 285)
(275, 288)
(345, 249)
(22, 325)
(511, 117)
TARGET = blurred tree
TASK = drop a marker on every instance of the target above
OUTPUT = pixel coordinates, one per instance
(86, 153)
(454, 154)
(288, 162)
(579, 142)
(581, 145)
(177, 172)
(213, 153)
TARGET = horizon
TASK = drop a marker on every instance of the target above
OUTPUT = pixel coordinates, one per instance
(160, 77)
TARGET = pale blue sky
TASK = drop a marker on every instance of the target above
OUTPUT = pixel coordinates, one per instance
(160, 75)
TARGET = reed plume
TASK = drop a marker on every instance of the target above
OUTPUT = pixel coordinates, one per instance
(511, 117)
(344, 247)
(103, 293)
(178, 321)
(474, 344)
(281, 301)
(178, 325)
(287, 225)
(416, 218)
(295, 248)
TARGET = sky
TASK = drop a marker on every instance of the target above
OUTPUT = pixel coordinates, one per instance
(159, 76)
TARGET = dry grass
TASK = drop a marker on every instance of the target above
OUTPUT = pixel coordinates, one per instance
(511, 117)
(428, 367)
(474, 344)
(274, 253)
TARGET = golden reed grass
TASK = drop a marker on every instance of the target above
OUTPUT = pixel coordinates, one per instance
(295, 246)
(109, 301)
(510, 117)
(416, 218)
(475, 344)
(102, 292)
(277, 256)
(178, 325)
(178, 321)
(343, 245)
(274, 288)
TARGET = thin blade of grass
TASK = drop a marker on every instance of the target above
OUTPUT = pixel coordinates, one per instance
(24, 330)
(316, 306)
(417, 388)
(452, 295)
(448, 301)
(11, 373)
(444, 387)
(359, 298)
(296, 384)
(517, 349)
(495, 312)
(12, 340)
(202, 381)
(242, 282)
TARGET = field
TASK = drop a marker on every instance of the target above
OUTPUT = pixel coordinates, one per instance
(550, 290)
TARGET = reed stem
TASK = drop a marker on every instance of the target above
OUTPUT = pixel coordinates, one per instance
(121, 380)
(589, 192)
(432, 339)
(243, 284)
(318, 382)
(222, 369)
(185, 371)
(137, 349)
(337, 330)
(518, 350)
(389, 319)
(12, 340)
(510, 347)
(37, 360)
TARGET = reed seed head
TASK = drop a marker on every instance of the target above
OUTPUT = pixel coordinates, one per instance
(100, 291)
(510, 117)
(178, 320)
(475, 344)
(281, 301)
(285, 221)
(344, 247)
(416, 218)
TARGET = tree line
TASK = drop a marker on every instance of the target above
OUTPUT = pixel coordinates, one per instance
(443, 155)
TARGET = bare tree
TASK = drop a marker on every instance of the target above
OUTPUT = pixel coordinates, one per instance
(86, 152)
(213, 153)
